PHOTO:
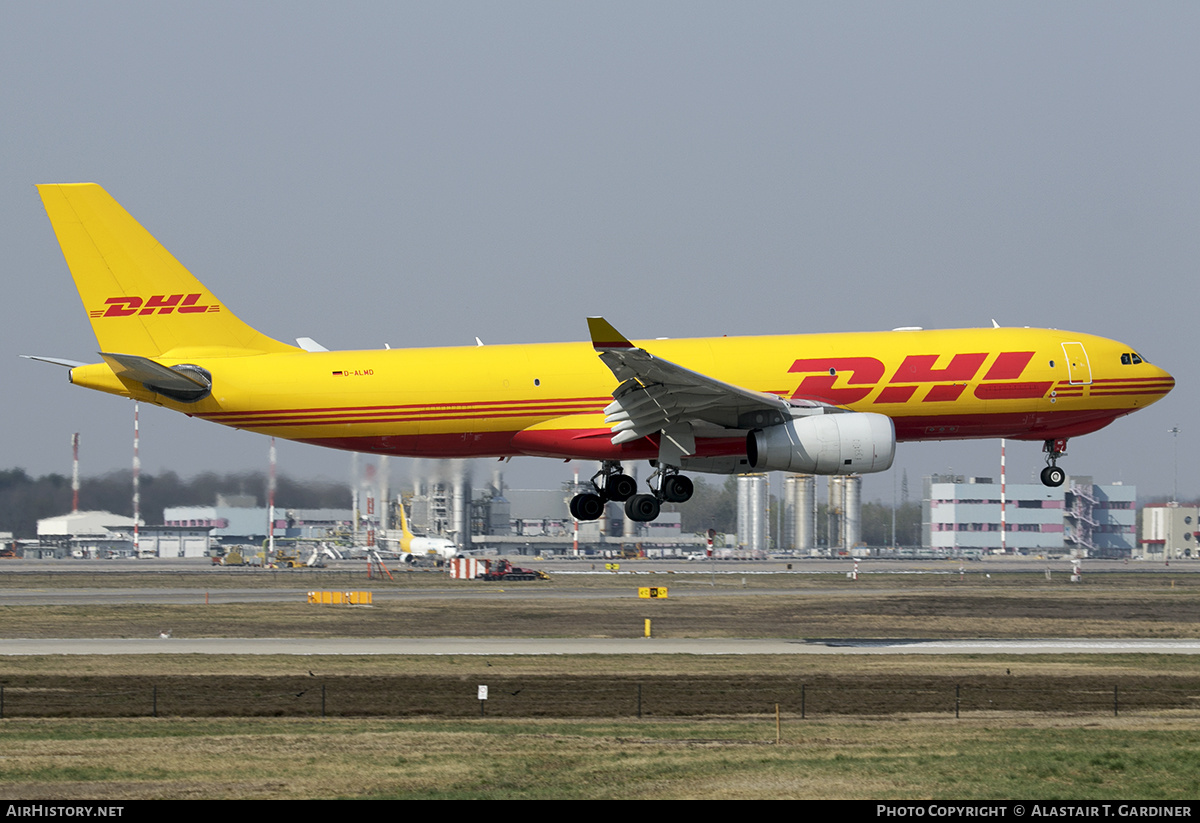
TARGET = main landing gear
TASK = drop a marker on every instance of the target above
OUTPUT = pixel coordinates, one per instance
(1052, 475)
(619, 487)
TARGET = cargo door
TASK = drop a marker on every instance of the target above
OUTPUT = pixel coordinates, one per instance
(1079, 371)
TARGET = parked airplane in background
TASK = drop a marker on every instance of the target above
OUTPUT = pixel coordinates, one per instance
(819, 403)
(439, 547)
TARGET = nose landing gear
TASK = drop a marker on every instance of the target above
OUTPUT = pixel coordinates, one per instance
(1052, 475)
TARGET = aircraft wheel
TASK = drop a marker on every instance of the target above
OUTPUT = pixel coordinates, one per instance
(620, 487)
(642, 508)
(1053, 476)
(677, 489)
(587, 506)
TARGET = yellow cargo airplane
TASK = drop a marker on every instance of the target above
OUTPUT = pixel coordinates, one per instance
(818, 403)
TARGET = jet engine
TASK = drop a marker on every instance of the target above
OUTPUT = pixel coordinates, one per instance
(825, 444)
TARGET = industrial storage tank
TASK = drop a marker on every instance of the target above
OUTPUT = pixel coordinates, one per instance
(752, 512)
(799, 512)
(852, 510)
(845, 511)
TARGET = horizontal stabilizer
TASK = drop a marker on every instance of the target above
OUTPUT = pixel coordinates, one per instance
(184, 383)
(58, 361)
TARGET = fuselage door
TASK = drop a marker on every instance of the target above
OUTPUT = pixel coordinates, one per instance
(1079, 371)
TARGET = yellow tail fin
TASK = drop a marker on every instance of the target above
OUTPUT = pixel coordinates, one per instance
(406, 536)
(139, 298)
(404, 525)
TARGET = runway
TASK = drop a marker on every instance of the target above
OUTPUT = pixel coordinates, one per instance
(518, 591)
(201, 585)
(500, 646)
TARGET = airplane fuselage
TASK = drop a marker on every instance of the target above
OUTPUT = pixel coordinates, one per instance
(547, 399)
(430, 547)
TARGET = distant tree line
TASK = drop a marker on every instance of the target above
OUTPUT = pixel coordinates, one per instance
(24, 500)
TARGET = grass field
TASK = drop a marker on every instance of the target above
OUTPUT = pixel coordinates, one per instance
(1030, 726)
(727, 758)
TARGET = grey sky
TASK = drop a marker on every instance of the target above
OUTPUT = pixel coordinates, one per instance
(419, 174)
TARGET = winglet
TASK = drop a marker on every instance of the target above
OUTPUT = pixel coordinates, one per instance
(604, 336)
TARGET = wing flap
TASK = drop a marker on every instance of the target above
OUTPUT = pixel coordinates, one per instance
(656, 395)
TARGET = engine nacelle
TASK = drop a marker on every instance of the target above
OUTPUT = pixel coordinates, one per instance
(825, 444)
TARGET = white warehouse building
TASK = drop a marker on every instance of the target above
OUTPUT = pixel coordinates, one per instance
(1170, 531)
(963, 515)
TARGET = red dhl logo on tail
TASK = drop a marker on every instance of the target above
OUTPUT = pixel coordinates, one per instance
(864, 374)
(161, 303)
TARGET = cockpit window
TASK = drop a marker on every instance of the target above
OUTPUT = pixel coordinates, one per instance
(1126, 359)
(1136, 358)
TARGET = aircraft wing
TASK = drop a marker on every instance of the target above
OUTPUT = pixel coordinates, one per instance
(656, 395)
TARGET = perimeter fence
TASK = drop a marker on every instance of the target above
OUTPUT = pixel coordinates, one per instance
(312, 695)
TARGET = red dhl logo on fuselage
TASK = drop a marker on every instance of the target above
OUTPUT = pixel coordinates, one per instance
(161, 303)
(867, 373)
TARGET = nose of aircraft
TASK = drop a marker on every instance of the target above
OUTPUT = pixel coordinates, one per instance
(1166, 377)
(1137, 379)
(1159, 384)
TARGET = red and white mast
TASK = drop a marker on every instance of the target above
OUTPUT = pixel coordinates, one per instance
(1003, 503)
(137, 470)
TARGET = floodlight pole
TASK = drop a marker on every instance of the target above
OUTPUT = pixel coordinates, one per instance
(1174, 432)
(271, 505)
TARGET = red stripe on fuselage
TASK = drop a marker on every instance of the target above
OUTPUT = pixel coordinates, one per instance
(1011, 391)
(447, 413)
(482, 404)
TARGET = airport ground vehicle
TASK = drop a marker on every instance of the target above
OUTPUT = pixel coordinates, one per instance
(501, 570)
